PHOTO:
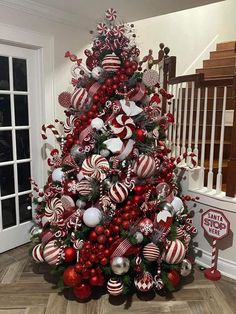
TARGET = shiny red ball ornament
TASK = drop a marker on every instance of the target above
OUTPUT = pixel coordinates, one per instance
(101, 239)
(139, 189)
(94, 281)
(93, 236)
(140, 134)
(70, 277)
(174, 277)
(83, 291)
(137, 199)
(69, 254)
(99, 229)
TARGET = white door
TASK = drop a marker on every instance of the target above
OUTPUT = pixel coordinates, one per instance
(19, 144)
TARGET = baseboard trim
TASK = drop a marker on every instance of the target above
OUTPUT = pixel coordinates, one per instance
(226, 267)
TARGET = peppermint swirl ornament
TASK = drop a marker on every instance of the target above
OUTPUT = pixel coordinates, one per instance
(102, 29)
(95, 166)
(123, 126)
(111, 14)
(54, 210)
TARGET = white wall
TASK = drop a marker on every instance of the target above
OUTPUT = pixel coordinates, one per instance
(65, 38)
(189, 33)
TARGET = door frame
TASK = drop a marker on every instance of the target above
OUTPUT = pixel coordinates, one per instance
(43, 45)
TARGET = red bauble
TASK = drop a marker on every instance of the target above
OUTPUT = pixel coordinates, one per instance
(99, 229)
(78, 268)
(139, 189)
(70, 254)
(92, 236)
(138, 199)
(94, 281)
(174, 277)
(140, 135)
(71, 277)
(101, 239)
(83, 291)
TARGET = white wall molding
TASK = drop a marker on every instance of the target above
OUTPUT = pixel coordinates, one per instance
(226, 267)
(41, 10)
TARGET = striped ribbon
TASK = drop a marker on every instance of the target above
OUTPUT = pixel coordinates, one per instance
(122, 248)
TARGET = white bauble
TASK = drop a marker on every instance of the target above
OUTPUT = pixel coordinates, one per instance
(97, 72)
(57, 175)
(92, 217)
(80, 204)
(104, 152)
(138, 237)
(97, 123)
(177, 204)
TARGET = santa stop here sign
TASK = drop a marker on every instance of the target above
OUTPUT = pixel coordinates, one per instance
(215, 224)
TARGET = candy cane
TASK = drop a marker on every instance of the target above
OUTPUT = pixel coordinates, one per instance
(52, 128)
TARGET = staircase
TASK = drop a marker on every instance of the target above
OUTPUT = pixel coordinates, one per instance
(203, 108)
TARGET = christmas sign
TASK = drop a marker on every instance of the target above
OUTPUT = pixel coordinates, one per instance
(217, 226)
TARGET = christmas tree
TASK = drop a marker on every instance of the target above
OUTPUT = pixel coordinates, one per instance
(109, 214)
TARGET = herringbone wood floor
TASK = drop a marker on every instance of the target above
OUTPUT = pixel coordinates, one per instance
(25, 289)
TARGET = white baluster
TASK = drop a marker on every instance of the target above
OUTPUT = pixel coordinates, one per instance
(222, 132)
(190, 132)
(183, 148)
(197, 125)
(170, 129)
(175, 118)
(179, 119)
(211, 159)
(202, 171)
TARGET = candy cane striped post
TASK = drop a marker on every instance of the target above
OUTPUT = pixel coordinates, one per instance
(51, 127)
(212, 273)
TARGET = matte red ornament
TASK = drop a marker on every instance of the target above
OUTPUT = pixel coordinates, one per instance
(71, 277)
(83, 291)
(69, 254)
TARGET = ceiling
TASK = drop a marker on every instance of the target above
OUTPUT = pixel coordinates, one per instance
(87, 12)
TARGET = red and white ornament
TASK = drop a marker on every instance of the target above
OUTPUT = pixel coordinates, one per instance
(146, 226)
(93, 89)
(151, 252)
(80, 99)
(111, 63)
(84, 187)
(123, 126)
(71, 187)
(111, 14)
(64, 99)
(67, 201)
(97, 72)
(115, 287)
(54, 210)
(163, 219)
(144, 166)
(95, 166)
(150, 78)
(37, 253)
(144, 282)
(174, 252)
(118, 192)
(102, 28)
(51, 253)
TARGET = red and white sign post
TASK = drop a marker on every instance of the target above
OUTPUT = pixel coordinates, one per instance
(217, 226)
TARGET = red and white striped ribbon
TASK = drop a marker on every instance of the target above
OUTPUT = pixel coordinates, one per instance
(122, 248)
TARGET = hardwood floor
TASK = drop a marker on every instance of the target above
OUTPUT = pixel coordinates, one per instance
(26, 289)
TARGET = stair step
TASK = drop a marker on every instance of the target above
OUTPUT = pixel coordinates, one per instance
(221, 71)
(223, 53)
(226, 45)
(227, 61)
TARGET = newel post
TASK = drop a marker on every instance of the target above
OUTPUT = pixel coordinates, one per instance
(231, 171)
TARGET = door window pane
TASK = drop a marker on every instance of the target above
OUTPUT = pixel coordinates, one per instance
(5, 146)
(7, 180)
(24, 176)
(19, 74)
(8, 213)
(22, 144)
(4, 73)
(21, 110)
(24, 202)
(5, 110)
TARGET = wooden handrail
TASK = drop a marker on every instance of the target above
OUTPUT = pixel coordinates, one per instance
(231, 174)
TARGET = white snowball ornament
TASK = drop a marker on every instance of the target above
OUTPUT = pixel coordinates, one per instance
(97, 72)
(177, 204)
(80, 204)
(92, 217)
(97, 124)
(104, 152)
(57, 175)
(138, 237)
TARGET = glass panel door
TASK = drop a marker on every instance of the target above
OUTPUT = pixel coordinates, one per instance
(17, 107)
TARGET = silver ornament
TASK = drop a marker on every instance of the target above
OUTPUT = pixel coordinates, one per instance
(138, 237)
(35, 230)
(104, 152)
(80, 204)
(186, 267)
(120, 265)
(107, 183)
(165, 206)
(76, 151)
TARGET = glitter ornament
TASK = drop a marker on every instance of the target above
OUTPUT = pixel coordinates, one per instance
(150, 78)
(146, 226)
(144, 282)
(92, 217)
